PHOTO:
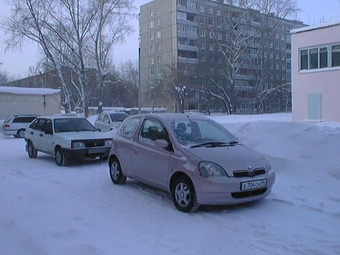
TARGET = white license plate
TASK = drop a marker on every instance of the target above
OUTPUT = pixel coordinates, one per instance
(253, 184)
(95, 151)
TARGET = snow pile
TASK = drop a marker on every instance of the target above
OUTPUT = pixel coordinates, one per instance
(47, 209)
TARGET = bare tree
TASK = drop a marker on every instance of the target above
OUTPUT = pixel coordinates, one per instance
(274, 12)
(71, 34)
(232, 45)
(4, 77)
(244, 50)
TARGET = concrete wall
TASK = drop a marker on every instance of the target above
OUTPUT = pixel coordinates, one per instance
(28, 104)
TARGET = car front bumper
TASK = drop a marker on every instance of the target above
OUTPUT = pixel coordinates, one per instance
(102, 152)
(225, 191)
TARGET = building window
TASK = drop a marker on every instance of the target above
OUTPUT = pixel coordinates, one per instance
(151, 61)
(182, 3)
(152, 24)
(152, 36)
(152, 49)
(320, 57)
(304, 59)
(202, 33)
(159, 59)
(202, 9)
(152, 72)
(335, 55)
(159, 71)
(159, 34)
(152, 12)
(313, 58)
(323, 56)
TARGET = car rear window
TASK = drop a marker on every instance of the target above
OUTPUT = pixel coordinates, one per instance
(119, 116)
(24, 119)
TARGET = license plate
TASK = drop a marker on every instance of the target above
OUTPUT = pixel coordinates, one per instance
(253, 184)
(95, 151)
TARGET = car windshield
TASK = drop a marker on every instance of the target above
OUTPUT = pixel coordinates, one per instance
(118, 116)
(72, 125)
(196, 133)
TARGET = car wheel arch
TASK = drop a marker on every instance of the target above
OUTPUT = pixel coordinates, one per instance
(183, 193)
(178, 175)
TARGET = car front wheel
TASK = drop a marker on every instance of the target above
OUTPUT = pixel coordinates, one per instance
(116, 173)
(31, 151)
(184, 195)
(60, 158)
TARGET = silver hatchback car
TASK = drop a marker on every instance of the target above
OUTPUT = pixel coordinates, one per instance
(191, 156)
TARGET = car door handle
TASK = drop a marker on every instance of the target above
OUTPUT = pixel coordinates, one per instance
(135, 150)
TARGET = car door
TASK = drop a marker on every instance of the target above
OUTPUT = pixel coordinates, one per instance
(46, 137)
(150, 162)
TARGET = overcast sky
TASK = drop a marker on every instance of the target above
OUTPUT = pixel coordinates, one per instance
(16, 62)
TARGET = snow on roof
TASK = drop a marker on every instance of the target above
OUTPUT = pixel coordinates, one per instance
(28, 91)
(315, 27)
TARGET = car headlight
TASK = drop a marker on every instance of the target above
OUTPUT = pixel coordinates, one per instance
(108, 142)
(209, 169)
(78, 145)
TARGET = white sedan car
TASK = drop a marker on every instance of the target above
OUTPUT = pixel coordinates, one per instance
(66, 137)
(110, 120)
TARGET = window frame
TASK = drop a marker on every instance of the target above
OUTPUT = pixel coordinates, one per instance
(323, 58)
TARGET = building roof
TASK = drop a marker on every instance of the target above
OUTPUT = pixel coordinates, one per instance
(28, 91)
(315, 27)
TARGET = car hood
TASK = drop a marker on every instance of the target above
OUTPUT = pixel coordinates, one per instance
(85, 135)
(231, 158)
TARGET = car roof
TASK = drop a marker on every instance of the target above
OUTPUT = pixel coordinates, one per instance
(176, 116)
(25, 115)
(112, 111)
(61, 116)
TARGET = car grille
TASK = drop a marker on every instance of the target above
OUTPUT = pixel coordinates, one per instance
(249, 193)
(94, 143)
(247, 173)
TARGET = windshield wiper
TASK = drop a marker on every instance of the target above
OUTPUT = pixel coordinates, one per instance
(215, 144)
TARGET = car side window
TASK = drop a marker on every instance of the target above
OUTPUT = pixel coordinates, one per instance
(106, 119)
(39, 124)
(153, 130)
(129, 126)
(100, 117)
(48, 127)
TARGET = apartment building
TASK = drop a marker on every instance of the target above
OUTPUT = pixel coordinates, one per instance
(202, 53)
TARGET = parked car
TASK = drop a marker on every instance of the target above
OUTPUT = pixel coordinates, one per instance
(16, 124)
(191, 156)
(66, 137)
(110, 120)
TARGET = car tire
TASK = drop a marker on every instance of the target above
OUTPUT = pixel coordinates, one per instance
(60, 158)
(116, 173)
(184, 195)
(31, 151)
(20, 133)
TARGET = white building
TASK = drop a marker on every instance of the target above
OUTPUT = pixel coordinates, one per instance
(316, 72)
(20, 100)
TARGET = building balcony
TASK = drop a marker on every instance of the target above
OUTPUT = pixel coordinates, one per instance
(187, 10)
(187, 47)
(188, 60)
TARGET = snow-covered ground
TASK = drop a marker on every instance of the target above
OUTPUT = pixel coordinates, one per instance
(46, 209)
